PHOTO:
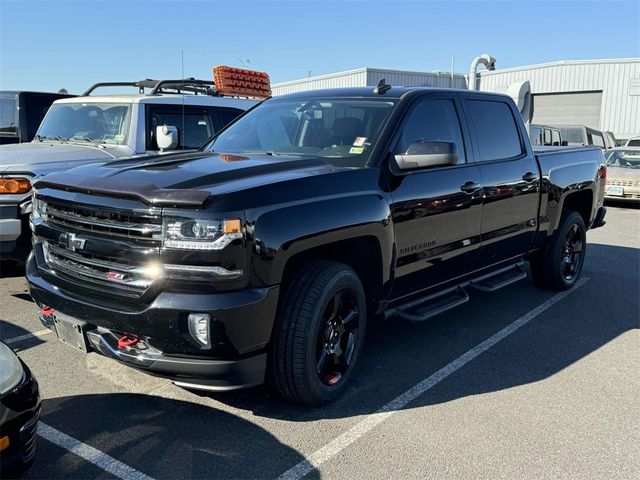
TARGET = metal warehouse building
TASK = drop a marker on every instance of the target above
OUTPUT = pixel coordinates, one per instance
(363, 77)
(603, 94)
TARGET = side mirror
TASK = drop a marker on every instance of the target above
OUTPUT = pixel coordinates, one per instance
(564, 143)
(425, 154)
(166, 137)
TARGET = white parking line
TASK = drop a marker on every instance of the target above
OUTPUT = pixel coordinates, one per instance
(90, 454)
(371, 421)
(39, 333)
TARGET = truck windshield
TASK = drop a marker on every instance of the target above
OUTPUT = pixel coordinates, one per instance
(624, 158)
(8, 115)
(104, 123)
(327, 127)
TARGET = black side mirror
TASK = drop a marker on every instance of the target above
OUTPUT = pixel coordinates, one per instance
(426, 154)
(564, 143)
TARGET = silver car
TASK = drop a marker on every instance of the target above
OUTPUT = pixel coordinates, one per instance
(623, 174)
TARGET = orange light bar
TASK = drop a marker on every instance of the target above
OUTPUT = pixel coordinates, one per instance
(14, 185)
(241, 82)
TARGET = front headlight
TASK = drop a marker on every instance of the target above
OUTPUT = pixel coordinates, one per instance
(38, 208)
(200, 234)
(11, 371)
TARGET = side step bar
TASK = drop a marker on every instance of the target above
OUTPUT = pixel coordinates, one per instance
(426, 307)
(499, 279)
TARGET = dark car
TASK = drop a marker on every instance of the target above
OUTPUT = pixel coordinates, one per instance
(261, 257)
(19, 413)
(22, 112)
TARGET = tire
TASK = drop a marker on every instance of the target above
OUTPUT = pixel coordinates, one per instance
(322, 295)
(560, 267)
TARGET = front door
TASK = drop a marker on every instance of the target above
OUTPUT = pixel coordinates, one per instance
(436, 211)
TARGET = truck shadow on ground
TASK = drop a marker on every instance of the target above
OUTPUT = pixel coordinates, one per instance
(161, 438)
(9, 331)
(398, 354)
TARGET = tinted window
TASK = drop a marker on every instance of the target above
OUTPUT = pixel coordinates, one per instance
(432, 120)
(194, 126)
(227, 115)
(8, 115)
(633, 143)
(496, 131)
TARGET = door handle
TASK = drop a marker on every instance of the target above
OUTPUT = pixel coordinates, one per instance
(529, 177)
(470, 186)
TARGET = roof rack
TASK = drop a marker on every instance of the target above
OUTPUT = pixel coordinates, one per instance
(227, 81)
(191, 85)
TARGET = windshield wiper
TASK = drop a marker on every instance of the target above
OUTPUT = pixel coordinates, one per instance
(42, 138)
(87, 138)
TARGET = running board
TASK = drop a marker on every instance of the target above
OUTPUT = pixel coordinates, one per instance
(501, 278)
(427, 307)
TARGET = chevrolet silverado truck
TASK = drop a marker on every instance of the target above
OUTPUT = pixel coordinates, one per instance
(164, 115)
(261, 257)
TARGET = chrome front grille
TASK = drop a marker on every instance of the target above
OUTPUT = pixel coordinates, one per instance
(123, 279)
(104, 221)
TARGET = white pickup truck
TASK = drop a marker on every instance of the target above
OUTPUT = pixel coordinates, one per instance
(164, 115)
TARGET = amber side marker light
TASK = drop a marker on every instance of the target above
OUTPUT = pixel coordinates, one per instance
(232, 226)
(4, 442)
(14, 185)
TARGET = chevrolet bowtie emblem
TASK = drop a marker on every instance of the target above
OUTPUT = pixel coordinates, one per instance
(72, 242)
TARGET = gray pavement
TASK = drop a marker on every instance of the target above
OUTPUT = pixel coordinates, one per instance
(557, 398)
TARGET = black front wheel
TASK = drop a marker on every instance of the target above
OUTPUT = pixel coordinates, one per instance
(319, 334)
(560, 267)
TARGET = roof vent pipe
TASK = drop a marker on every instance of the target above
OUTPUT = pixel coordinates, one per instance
(488, 61)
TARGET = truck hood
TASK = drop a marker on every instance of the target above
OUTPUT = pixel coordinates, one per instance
(46, 157)
(183, 180)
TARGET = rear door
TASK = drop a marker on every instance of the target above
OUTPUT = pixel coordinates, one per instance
(436, 211)
(510, 176)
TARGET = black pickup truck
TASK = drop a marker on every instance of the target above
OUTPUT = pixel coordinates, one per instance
(261, 257)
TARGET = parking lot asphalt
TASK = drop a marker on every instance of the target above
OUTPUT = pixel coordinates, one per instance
(519, 383)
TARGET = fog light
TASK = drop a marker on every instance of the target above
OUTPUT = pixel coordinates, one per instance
(199, 327)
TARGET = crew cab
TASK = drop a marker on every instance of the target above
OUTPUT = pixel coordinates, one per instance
(180, 114)
(261, 257)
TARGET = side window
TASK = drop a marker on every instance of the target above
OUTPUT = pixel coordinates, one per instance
(555, 137)
(547, 136)
(194, 127)
(597, 140)
(227, 115)
(432, 120)
(536, 135)
(36, 108)
(495, 128)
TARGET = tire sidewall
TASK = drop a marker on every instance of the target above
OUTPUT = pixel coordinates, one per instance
(345, 279)
(572, 219)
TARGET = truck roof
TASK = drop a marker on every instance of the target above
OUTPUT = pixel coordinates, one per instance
(171, 99)
(393, 92)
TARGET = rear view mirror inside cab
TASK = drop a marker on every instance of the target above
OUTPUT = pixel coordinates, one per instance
(427, 154)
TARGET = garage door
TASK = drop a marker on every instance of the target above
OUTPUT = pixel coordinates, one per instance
(568, 108)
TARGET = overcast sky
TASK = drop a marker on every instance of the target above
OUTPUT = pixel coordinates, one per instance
(47, 45)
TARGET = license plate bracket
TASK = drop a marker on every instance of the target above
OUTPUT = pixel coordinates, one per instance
(71, 331)
(615, 191)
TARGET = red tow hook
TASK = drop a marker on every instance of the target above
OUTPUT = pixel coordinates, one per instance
(127, 341)
(47, 311)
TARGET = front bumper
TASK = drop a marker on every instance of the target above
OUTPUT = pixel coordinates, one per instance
(241, 327)
(19, 411)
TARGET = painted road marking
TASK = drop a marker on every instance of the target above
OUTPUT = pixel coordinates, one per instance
(90, 454)
(27, 336)
(371, 421)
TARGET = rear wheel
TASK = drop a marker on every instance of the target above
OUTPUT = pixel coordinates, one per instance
(319, 334)
(560, 267)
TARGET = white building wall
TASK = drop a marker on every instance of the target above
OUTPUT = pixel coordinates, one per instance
(617, 79)
(364, 77)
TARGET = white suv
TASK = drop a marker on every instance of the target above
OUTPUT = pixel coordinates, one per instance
(163, 115)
